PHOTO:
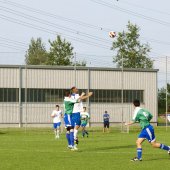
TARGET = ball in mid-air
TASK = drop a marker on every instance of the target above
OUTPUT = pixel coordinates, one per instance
(112, 34)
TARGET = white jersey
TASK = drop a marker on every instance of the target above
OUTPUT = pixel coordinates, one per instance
(84, 115)
(78, 107)
(57, 115)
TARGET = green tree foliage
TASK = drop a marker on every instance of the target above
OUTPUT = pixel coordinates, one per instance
(162, 99)
(128, 46)
(36, 53)
(61, 52)
(80, 63)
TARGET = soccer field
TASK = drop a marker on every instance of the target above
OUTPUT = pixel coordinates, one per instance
(36, 149)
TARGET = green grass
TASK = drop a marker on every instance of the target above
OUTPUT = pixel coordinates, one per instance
(36, 149)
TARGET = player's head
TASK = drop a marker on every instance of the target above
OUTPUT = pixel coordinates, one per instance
(84, 109)
(105, 112)
(67, 93)
(136, 103)
(74, 89)
(57, 106)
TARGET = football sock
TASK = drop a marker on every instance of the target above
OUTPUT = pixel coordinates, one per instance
(86, 132)
(83, 133)
(139, 153)
(68, 138)
(75, 133)
(72, 138)
(164, 147)
(57, 132)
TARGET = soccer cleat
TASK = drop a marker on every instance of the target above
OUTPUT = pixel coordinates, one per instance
(169, 151)
(70, 147)
(57, 137)
(136, 159)
(74, 148)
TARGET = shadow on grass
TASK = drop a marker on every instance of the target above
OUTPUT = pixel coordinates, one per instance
(2, 133)
(155, 159)
(112, 147)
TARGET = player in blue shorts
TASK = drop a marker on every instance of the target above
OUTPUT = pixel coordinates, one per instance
(56, 115)
(69, 124)
(78, 107)
(143, 117)
(84, 120)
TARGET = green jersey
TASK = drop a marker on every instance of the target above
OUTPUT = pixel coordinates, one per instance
(84, 117)
(142, 116)
(69, 104)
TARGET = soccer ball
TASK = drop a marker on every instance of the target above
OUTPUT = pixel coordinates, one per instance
(112, 34)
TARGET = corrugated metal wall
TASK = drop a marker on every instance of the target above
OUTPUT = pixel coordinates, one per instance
(90, 78)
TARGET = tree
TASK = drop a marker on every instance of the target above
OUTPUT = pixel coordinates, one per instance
(162, 99)
(129, 48)
(36, 53)
(61, 52)
(80, 63)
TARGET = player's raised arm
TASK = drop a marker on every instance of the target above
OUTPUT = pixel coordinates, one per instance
(87, 96)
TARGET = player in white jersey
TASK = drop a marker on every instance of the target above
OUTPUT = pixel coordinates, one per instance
(78, 107)
(57, 116)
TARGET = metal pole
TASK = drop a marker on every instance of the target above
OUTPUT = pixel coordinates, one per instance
(75, 69)
(25, 96)
(122, 94)
(88, 100)
(20, 102)
(166, 97)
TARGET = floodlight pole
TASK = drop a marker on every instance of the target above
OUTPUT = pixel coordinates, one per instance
(166, 96)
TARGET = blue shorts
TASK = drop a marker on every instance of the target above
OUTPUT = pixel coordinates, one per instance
(76, 119)
(68, 120)
(148, 133)
(83, 124)
(56, 125)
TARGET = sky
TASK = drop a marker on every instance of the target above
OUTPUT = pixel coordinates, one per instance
(86, 24)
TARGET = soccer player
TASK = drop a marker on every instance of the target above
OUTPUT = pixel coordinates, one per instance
(143, 117)
(78, 107)
(84, 120)
(106, 118)
(69, 124)
(56, 115)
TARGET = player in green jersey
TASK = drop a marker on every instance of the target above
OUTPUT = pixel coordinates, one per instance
(143, 117)
(84, 120)
(69, 124)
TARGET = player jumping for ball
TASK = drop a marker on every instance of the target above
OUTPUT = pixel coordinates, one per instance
(143, 117)
(78, 107)
(69, 124)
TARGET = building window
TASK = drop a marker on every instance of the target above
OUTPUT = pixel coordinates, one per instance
(44, 95)
(57, 95)
(9, 95)
(114, 96)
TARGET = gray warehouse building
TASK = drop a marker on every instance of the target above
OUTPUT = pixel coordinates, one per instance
(28, 94)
